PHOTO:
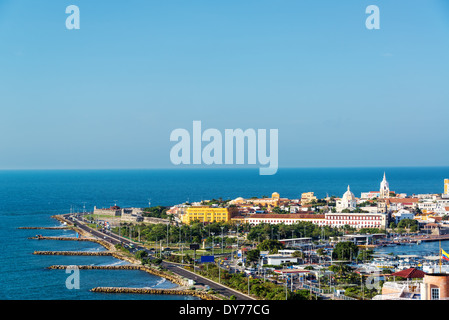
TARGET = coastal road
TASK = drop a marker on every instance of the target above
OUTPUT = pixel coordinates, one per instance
(199, 280)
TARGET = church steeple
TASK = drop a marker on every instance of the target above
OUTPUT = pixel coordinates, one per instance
(384, 188)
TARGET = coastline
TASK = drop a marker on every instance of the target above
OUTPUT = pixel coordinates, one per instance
(135, 265)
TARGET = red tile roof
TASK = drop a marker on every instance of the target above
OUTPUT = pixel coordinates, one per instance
(409, 273)
(403, 200)
(288, 216)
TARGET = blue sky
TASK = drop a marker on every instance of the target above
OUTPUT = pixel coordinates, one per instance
(108, 95)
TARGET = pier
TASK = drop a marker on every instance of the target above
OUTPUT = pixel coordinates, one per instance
(199, 294)
(89, 267)
(172, 278)
(99, 241)
(74, 253)
(44, 228)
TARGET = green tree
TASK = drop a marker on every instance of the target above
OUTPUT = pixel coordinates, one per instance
(270, 245)
(141, 254)
(407, 223)
(253, 255)
(345, 250)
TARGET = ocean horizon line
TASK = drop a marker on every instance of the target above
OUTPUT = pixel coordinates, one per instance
(202, 167)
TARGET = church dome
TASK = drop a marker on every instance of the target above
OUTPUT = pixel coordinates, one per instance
(348, 195)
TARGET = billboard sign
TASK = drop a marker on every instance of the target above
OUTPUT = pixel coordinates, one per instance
(205, 259)
(194, 246)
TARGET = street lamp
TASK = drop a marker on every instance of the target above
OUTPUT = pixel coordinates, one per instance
(167, 233)
(222, 239)
(213, 242)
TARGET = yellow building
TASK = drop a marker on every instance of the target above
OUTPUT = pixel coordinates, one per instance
(274, 201)
(446, 186)
(205, 214)
(307, 198)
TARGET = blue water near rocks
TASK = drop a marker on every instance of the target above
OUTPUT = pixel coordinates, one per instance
(30, 197)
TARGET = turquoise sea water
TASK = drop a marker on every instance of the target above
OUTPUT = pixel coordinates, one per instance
(29, 198)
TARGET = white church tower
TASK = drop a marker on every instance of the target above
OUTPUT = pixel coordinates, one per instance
(384, 189)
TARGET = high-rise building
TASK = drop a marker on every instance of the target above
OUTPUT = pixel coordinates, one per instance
(446, 187)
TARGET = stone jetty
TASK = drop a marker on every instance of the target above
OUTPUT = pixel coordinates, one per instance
(92, 267)
(44, 228)
(199, 294)
(172, 278)
(99, 241)
(74, 253)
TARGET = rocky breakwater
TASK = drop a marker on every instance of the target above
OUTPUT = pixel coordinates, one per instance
(92, 267)
(199, 294)
(99, 241)
(170, 277)
(74, 253)
(44, 228)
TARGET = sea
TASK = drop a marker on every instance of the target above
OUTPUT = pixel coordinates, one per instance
(28, 198)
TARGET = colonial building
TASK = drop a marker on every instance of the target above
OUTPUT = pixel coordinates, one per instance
(205, 214)
(114, 211)
(355, 220)
(272, 202)
(370, 195)
(394, 204)
(307, 198)
(348, 201)
(288, 219)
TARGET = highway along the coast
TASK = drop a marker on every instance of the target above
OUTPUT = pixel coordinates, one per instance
(176, 269)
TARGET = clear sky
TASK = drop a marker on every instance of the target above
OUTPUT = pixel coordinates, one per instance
(109, 94)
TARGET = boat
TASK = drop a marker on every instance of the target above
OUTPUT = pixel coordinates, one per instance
(435, 268)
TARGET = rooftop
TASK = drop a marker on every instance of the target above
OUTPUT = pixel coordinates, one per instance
(409, 273)
(287, 216)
